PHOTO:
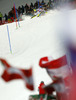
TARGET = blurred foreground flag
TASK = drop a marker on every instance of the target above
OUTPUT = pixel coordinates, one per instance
(56, 68)
(11, 73)
(60, 72)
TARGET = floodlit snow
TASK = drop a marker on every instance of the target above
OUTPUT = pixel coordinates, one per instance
(35, 38)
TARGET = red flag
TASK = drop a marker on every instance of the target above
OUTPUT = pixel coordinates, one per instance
(50, 63)
(55, 68)
(11, 73)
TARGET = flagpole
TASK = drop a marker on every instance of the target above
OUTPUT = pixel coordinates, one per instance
(16, 14)
(38, 3)
(9, 40)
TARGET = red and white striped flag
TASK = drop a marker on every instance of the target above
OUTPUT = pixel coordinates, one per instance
(56, 68)
(11, 73)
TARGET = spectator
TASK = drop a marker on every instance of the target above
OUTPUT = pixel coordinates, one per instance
(31, 5)
(6, 17)
(22, 9)
(42, 3)
(31, 9)
(19, 10)
(27, 8)
(41, 90)
(36, 5)
(12, 19)
(1, 17)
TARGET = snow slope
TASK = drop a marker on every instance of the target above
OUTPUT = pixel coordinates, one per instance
(36, 38)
